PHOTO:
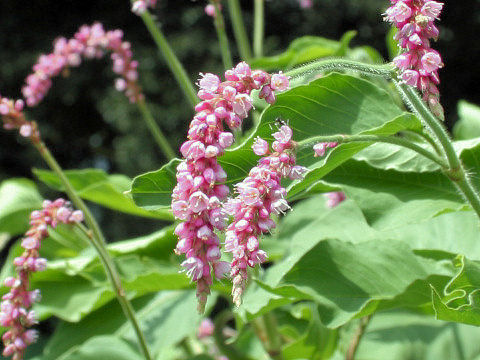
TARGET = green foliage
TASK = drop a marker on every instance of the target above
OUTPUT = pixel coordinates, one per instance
(96, 186)
(18, 198)
(349, 105)
(468, 125)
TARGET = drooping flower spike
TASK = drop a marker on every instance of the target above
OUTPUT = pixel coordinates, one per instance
(258, 196)
(15, 309)
(89, 42)
(197, 198)
(419, 63)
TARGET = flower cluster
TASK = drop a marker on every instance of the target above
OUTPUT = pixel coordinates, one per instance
(197, 198)
(320, 148)
(89, 42)
(15, 312)
(140, 6)
(419, 64)
(11, 114)
(258, 196)
(335, 198)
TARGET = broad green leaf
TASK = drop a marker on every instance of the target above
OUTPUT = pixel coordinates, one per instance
(153, 190)
(18, 198)
(350, 269)
(106, 348)
(317, 343)
(166, 318)
(305, 49)
(405, 336)
(97, 186)
(468, 124)
(334, 104)
(461, 297)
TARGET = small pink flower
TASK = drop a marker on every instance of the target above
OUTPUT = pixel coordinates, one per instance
(279, 82)
(209, 82)
(431, 61)
(205, 329)
(260, 146)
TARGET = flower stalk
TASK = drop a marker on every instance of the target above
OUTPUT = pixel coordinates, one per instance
(219, 22)
(98, 242)
(239, 30)
(455, 170)
(155, 130)
(173, 63)
(258, 27)
(375, 138)
(342, 64)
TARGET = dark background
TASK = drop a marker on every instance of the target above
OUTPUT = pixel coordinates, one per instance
(88, 124)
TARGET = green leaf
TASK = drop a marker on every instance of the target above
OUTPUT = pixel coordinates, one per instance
(317, 342)
(165, 318)
(350, 269)
(461, 297)
(106, 348)
(334, 104)
(404, 336)
(97, 186)
(303, 50)
(153, 190)
(18, 198)
(468, 124)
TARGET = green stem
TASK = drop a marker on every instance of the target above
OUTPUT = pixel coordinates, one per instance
(425, 137)
(375, 138)
(352, 350)
(155, 130)
(258, 28)
(222, 35)
(273, 336)
(239, 30)
(173, 63)
(228, 350)
(456, 171)
(342, 64)
(98, 242)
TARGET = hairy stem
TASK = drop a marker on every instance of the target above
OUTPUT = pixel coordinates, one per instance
(352, 349)
(239, 29)
(375, 138)
(98, 242)
(342, 64)
(222, 35)
(456, 171)
(258, 27)
(155, 130)
(173, 63)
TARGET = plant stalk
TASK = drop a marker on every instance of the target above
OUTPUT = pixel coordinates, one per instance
(456, 171)
(173, 63)
(98, 242)
(342, 64)
(155, 130)
(273, 336)
(258, 27)
(375, 138)
(352, 349)
(228, 350)
(222, 35)
(239, 29)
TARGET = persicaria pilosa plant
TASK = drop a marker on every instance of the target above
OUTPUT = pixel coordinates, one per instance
(312, 194)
